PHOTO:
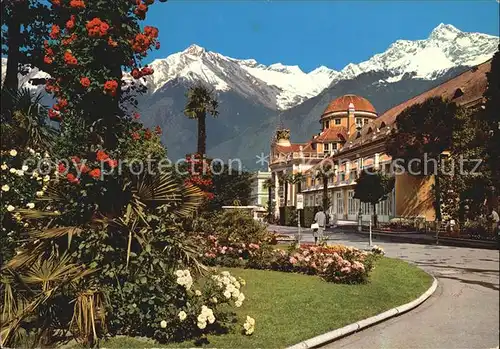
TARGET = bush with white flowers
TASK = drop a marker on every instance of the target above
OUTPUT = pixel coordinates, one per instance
(207, 308)
(21, 184)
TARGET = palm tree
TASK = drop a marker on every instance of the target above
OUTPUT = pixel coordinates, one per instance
(200, 101)
(269, 184)
(324, 173)
(28, 126)
(297, 179)
(284, 180)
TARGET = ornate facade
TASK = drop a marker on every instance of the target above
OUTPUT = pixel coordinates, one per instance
(352, 138)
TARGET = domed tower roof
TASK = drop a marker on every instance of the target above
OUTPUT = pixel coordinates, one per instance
(349, 102)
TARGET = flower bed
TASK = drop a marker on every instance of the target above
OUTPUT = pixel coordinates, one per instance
(340, 264)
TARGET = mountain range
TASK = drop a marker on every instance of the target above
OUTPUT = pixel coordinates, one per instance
(255, 98)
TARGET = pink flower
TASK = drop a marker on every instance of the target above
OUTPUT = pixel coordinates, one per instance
(293, 260)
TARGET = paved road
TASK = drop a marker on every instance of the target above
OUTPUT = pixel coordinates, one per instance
(462, 313)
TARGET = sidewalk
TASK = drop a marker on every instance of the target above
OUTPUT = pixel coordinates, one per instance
(404, 237)
(416, 237)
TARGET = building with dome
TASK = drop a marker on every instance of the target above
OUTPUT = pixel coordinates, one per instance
(352, 137)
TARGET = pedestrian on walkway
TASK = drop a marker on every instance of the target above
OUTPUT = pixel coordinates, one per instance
(320, 219)
(495, 224)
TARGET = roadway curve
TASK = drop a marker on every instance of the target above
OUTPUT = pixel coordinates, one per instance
(462, 313)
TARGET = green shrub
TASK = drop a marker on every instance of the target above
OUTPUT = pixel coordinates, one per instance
(288, 216)
(232, 226)
(307, 215)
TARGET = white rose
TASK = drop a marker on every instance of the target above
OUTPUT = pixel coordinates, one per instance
(24, 168)
(46, 178)
(39, 194)
(182, 315)
(197, 292)
(12, 170)
(20, 173)
(5, 187)
(211, 319)
(10, 208)
(227, 294)
(179, 273)
(30, 205)
(13, 152)
(241, 297)
(238, 304)
(4, 166)
(202, 325)
(163, 324)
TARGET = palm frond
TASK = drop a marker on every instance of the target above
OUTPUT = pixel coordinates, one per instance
(88, 315)
(200, 101)
(192, 198)
(29, 119)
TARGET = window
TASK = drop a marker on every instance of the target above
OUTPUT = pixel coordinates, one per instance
(339, 203)
(352, 203)
(342, 177)
(326, 147)
(359, 121)
(337, 121)
(313, 146)
(334, 146)
(366, 121)
(327, 124)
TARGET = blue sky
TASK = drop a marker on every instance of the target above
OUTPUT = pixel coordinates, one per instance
(310, 33)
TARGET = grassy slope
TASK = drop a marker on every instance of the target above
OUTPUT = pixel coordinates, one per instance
(289, 308)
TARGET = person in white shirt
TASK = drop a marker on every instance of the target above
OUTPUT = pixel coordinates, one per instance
(319, 218)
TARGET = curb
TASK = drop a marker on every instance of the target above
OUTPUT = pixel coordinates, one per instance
(355, 327)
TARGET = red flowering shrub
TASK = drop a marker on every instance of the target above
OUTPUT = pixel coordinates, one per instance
(97, 28)
(85, 82)
(110, 87)
(55, 31)
(77, 4)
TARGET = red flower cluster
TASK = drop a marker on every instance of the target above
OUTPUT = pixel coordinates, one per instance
(77, 4)
(136, 136)
(70, 39)
(97, 28)
(139, 73)
(143, 41)
(199, 182)
(112, 43)
(158, 130)
(49, 55)
(55, 31)
(147, 134)
(56, 2)
(72, 178)
(61, 105)
(54, 115)
(50, 86)
(103, 157)
(71, 23)
(95, 173)
(152, 32)
(137, 116)
(69, 59)
(85, 82)
(110, 87)
(141, 9)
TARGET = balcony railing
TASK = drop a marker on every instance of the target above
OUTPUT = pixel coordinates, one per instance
(297, 155)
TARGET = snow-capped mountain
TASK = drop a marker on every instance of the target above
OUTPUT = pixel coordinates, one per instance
(446, 47)
(281, 87)
(278, 86)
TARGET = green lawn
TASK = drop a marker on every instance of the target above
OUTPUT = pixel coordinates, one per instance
(289, 308)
